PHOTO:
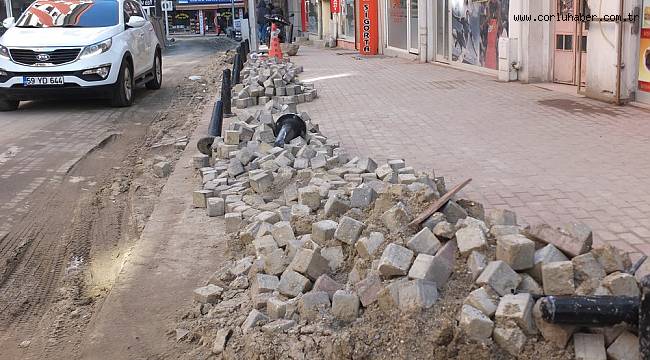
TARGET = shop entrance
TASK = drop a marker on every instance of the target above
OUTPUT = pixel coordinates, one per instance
(403, 25)
(442, 31)
(570, 53)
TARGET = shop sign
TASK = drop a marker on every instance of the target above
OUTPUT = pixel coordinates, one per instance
(182, 16)
(148, 3)
(335, 6)
(304, 10)
(644, 49)
(369, 34)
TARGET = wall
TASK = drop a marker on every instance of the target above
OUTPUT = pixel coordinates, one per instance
(535, 47)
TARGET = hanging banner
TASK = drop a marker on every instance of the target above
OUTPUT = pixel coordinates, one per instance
(335, 6)
(304, 10)
(644, 49)
(369, 27)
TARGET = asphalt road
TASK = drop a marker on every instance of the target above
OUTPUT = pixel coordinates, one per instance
(41, 141)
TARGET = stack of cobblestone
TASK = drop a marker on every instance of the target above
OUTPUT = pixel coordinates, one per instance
(272, 84)
(318, 236)
(541, 261)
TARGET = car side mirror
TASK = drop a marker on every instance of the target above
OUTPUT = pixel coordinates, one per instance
(136, 22)
(8, 22)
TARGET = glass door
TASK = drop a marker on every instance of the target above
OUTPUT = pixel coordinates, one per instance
(442, 31)
(413, 27)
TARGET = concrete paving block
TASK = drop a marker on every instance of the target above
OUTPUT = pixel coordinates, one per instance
(470, 238)
(309, 263)
(500, 217)
(283, 233)
(363, 197)
(558, 335)
(264, 283)
(444, 230)
(509, 338)
(313, 305)
(336, 206)
(215, 207)
(162, 169)
(327, 284)
(276, 308)
(611, 258)
(255, 318)
(368, 289)
(626, 347)
(476, 262)
(309, 196)
(293, 284)
(500, 277)
(557, 278)
(417, 295)
(200, 198)
(368, 247)
(323, 231)
(262, 182)
(219, 344)
(564, 241)
(395, 261)
(264, 245)
(546, 255)
(275, 262)
(475, 324)
(434, 220)
(518, 309)
(278, 326)
(348, 230)
(396, 218)
(517, 251)
(453, 212)
(621, 284)
(529, 285)
(209, 294)
(270, 217)
(589, 346)
(484, 299)
(424, 242)
(345, 305)
(334, 256)
(586, 267)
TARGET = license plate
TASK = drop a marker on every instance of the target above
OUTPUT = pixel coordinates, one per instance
(42, 80)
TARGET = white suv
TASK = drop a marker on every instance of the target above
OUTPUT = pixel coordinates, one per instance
(78, 48)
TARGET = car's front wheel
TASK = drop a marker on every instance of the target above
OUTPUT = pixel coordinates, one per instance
(156, 82)
(9, 105)
(125, 87)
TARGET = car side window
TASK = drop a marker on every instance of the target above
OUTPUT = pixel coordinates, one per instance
(135, 9)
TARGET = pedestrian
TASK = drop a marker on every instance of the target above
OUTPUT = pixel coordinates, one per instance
(263, 10)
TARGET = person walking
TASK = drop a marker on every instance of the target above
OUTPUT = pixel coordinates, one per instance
(263, 10)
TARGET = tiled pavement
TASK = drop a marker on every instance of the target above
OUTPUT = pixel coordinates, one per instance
(548, 155)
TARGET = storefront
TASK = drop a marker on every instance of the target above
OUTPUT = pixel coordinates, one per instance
(402, 25)
(347, 24)
(204, 16)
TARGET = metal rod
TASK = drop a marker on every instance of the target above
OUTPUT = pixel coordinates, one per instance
(619, 57)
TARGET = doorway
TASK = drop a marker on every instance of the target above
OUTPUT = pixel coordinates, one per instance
(570, 50)
(402, 25)
(442, 31)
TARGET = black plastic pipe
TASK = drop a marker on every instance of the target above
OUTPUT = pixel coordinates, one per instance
(287, 128)
(236, 68)
(590, 310)
(214, 129)
(226, 92)
(644, 319)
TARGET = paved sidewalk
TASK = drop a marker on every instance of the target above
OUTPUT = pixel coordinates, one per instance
(549, 156)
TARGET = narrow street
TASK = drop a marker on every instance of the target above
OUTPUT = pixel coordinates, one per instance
(77, 191)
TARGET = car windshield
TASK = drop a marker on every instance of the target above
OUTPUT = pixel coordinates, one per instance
(70, 13)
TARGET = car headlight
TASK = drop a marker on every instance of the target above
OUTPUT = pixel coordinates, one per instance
(96, 49)
(4, 52)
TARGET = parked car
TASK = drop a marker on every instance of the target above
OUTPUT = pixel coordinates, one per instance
(78, 48)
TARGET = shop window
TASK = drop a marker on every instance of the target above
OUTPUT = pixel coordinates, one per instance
(583, 44)
(397, 23)
(348, 19)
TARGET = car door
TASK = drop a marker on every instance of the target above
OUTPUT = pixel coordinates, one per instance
(138, 47)
(149, 38)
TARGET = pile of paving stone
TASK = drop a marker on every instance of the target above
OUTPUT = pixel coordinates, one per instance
(268, 82)
(542, 261)
(320, 236)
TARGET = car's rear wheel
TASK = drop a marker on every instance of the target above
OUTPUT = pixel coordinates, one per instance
(156, 82)
(125, 87)
(9, 105)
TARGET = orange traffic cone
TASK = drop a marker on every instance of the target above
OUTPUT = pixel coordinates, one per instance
(275, 49)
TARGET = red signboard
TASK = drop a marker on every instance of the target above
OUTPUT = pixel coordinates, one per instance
(369, 27)
(335, 6)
